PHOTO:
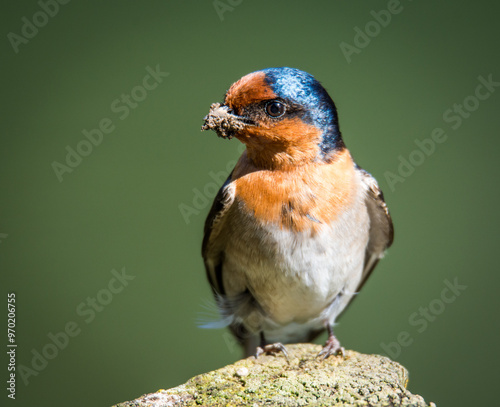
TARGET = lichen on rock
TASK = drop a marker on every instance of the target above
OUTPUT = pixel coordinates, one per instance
(353, 380)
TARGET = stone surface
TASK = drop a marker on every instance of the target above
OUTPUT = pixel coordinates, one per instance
(354, 380)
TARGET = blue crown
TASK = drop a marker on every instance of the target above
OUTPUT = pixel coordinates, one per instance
(301, 88)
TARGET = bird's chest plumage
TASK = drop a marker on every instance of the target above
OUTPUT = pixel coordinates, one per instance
(296, 240)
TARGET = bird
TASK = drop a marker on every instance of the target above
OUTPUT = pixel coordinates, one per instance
(297, 227)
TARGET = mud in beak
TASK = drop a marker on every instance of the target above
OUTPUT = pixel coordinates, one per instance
(225, 123)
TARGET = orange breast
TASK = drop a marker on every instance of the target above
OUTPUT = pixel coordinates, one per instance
(304, 197)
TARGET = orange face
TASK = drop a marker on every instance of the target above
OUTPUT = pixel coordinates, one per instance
(272, 142)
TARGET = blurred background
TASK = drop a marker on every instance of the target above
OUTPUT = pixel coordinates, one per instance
(106, 181)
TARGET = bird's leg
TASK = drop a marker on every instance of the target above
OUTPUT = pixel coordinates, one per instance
(270, 349)
(332, 345)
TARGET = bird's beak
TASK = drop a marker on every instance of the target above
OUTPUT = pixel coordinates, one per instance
(223, 121)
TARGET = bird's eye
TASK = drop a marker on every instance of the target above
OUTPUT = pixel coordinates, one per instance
(275, 108)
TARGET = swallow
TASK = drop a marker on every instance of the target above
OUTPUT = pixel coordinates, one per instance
(298, 227)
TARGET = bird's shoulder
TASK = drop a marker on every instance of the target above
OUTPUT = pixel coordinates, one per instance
(221, 204)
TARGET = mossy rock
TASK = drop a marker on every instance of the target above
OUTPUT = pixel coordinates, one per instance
(353, 380)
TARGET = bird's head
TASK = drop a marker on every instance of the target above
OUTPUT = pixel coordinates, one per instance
(283, 115)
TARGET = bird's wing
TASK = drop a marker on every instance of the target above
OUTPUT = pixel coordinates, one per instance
(381, 233)
(213, 255)
(381, 228)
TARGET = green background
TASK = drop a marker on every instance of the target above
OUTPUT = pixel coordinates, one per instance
(120, 206)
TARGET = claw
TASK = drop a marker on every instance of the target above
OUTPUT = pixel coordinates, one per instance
(272, 349)
(332, 346)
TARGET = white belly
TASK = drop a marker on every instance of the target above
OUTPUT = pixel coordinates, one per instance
(300, 281)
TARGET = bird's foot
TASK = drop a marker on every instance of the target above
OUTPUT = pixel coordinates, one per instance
(272, 349)
(332, 347)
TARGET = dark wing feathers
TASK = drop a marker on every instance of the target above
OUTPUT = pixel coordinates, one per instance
(212, 258)
(381, 232)
(381, 227)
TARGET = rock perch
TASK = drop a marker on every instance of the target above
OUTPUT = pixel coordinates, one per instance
(355, 380)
